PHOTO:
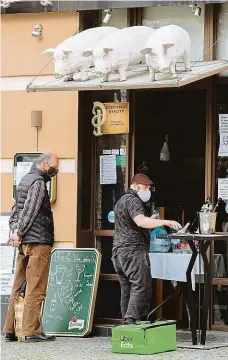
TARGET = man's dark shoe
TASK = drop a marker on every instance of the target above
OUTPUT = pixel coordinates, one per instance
(39, 338)
(10, 337)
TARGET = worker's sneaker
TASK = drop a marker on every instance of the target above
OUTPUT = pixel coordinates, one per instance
(39, 338)
(11, 337)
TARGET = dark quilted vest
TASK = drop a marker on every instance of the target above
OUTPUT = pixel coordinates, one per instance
(42, 229)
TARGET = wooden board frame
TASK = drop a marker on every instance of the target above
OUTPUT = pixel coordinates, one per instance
(94, 293)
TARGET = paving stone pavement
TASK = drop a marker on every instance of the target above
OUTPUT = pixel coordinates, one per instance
(95, 348)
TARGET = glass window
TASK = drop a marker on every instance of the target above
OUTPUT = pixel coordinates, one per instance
(111, 168)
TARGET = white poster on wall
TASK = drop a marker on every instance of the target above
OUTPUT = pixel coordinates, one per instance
(7, 260)
(223, 188)
(4, 229)
(108, 169)
(6, 282)
(22, 169)
(223, 132)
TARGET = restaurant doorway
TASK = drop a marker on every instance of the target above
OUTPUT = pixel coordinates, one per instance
(178, 116)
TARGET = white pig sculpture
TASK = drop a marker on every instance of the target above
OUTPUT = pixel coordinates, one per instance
(68, 54)
(165, 47)
(119, 50)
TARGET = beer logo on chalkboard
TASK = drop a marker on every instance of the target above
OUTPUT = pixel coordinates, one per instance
(76, 324)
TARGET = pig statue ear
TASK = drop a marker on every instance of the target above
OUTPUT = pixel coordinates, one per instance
(168, 46)
(87, 53)
(67, 51)
(48, 52)
(146, 51)
(106, 50)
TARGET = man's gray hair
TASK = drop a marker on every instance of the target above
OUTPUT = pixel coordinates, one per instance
(43, 158)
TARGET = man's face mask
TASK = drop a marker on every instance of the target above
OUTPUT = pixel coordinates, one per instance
(52, 171)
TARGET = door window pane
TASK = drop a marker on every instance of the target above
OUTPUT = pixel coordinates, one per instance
(114, 147)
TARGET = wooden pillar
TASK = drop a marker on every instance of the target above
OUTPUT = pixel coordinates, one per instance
(210, 38)
(89, 19)
(134, 18)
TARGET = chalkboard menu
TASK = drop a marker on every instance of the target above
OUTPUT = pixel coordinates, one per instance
(72, 285)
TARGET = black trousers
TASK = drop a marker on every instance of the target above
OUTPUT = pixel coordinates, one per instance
(134, 272)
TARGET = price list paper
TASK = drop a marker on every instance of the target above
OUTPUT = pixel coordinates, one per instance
(223, 132)
(108, 169)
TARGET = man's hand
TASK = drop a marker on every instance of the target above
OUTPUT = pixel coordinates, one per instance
(15, 240)
(173, 224)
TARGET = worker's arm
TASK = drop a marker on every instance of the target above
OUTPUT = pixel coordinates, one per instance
(150, 223)
(31, 208)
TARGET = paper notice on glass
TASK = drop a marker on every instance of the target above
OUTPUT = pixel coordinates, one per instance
(108, 169)
(107, 152)
(223, 132)
(6, 283)
(4, 229)
(223, 188)
(22, 169)
(115, 151)
(8, 254)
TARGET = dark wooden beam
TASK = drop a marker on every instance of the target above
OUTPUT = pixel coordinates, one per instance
(210, 31)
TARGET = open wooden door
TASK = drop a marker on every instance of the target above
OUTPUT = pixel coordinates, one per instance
(85, 236)
(116, 150)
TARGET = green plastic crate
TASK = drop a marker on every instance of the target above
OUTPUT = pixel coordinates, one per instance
(144, 338)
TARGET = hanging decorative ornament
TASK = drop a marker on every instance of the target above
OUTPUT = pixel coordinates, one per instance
(46, 3)
(165, 154)
(6, 3)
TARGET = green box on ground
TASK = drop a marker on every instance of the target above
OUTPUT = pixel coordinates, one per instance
(144, 337)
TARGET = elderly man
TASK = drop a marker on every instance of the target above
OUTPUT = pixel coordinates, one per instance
(131, 246)
(32, 231)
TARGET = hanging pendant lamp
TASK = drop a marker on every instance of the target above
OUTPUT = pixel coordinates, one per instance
(165, 154)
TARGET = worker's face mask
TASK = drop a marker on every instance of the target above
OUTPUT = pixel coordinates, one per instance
(144, 195)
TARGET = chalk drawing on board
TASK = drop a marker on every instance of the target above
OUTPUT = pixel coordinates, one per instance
(52, 279)
(80, 268)
(69, 272)
(65, 291)
(53, 303)
(49, 318)
(60, 271)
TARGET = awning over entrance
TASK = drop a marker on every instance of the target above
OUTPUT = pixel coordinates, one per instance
(138, 78)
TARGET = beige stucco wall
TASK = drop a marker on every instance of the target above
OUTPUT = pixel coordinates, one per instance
(21, 56)
(58, 135)
(22, 52)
